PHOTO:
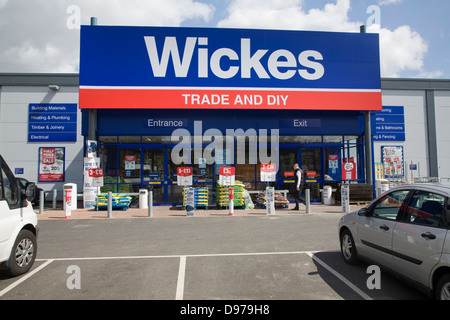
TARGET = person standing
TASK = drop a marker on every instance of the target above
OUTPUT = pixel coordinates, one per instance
(298, 174)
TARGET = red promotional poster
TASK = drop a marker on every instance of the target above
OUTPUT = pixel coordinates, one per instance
(349, 171)
(51, 164)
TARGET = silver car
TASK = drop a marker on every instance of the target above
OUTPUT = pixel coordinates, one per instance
(404, 231)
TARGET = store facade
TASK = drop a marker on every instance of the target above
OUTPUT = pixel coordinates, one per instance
(154, 91)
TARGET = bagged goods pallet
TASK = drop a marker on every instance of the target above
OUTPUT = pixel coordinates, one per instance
(119, 201)
(359, 193)
(280, 200)
(223, 195)
(201, 196)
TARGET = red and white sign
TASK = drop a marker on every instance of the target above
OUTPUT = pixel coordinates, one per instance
(311, 173)
(289, 173)
(227, 176)
(268, 172)
(130, 162)
(184, 176)
(333, 160)
(96, 175)
(51, 164)
(349, 171)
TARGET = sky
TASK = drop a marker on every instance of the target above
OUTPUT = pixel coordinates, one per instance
(42, 36)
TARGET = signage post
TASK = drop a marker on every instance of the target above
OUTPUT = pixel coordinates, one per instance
(227, 178)
(270, 200)
(92, 181)
(184, 178)
(345, 198)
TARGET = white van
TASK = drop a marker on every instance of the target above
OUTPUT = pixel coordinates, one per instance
(18, 224)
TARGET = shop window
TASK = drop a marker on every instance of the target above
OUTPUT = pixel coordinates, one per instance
(129, 165)
(158, 140)
(107, 139)
(130, 139)
(300, 139)
(108, 162)
(333, 139)
(351, 139)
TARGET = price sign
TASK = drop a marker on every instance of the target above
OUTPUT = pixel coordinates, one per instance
(227, 176)
(268, 172)
(184, 176)
(96, 175)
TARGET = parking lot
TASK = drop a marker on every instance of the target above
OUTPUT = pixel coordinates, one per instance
(281, 257)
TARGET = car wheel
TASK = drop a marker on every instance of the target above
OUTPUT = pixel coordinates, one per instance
(23, 254)
(443, 288)
(348, 248)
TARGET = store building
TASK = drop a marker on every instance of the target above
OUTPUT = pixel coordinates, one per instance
(313, 116)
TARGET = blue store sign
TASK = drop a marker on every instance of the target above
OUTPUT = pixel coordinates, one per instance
(219, 68)
(390, 124)
(52, 122)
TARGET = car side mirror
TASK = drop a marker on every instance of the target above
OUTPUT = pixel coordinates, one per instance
(364, 212)
(30, 190)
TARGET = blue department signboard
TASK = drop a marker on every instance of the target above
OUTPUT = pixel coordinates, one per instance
(52, 122)
(390, 124)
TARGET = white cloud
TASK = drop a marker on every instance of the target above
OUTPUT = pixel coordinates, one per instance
(35, 36)
(289, 14)
(388, 2)
(402, 49)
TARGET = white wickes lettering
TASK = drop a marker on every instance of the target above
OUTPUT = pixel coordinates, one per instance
(226, 63)
(170, 49)
(319, 70)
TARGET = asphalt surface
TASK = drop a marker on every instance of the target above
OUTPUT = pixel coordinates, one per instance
(285, 257)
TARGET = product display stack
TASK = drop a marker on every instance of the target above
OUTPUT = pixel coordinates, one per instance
(119, 201)
(223, 195)
(201, 197)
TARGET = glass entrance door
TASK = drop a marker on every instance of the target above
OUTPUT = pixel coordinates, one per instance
(286, 179)
(154, 173)
(311, 164)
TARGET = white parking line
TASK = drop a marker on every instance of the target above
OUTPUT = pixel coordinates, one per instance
(340, 277)
(179, 256)
(180, 283)
(179, 295)
(25, 277)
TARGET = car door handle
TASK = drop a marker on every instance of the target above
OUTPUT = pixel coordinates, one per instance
(384, 227)
(429, 236)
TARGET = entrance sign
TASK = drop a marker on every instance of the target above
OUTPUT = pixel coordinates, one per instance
(218, 68)
(227, 176)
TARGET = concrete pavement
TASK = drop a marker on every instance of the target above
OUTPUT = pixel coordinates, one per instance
(172, 212)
